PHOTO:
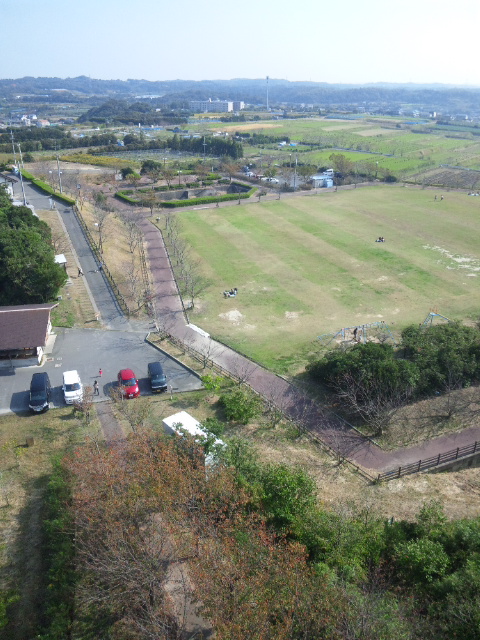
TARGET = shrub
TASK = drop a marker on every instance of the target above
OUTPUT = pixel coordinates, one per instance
(240, 406)
(421, 560)
(215, 426)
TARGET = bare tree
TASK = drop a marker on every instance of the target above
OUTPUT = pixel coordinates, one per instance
(59, 241)
(150, 200)
(372, 401)
(84, 406)
(101, 219)
(242, 370)
(135, 411)
(193, 283)
(208, 351)
(132, 233)
(168, 175)
(165, 322)
(230, 168)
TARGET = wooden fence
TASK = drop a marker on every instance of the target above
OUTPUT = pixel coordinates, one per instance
(429, 463)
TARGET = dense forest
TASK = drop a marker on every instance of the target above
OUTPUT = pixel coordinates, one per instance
(28, 272)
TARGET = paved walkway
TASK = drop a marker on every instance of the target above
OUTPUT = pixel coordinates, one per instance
(330, 429)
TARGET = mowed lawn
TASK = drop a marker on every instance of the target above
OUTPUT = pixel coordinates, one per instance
(309, 265)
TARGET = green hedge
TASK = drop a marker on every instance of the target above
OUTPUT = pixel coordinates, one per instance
(120, 195)
(46, 187)
(172, 204)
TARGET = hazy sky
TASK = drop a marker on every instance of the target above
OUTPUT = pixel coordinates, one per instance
(348, 41)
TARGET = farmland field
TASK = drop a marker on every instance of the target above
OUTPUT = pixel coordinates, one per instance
(309, 265)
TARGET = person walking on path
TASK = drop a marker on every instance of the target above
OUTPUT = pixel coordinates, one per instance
(100, 372)
(96, 390)
(80, 272)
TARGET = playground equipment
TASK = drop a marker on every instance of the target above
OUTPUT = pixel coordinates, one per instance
(428, 322)
(371, 331)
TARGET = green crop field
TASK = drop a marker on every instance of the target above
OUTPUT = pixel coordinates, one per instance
(405, 150)
(309, 265)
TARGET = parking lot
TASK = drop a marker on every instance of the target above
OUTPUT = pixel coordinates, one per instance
(88, 351)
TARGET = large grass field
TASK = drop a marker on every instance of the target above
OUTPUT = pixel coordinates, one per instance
(309, 265)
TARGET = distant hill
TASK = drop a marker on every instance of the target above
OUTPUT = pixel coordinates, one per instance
(249, 90)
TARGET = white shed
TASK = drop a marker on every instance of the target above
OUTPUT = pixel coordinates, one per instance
(184, 421)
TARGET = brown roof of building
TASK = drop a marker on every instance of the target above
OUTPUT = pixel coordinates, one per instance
(24, 326)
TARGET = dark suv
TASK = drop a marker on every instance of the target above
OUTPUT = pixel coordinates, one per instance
(40, 392)
(158, 380)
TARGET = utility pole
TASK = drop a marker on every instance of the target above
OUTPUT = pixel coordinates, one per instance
(59, 175)
(23, 188)
(21, 157)
(13, 147)
(204, 149)
(267, 95)
(295, 174)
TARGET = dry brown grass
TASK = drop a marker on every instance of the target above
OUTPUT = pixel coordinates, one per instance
(116, 253)
(76, 307)
(24, 473)
(446, 413)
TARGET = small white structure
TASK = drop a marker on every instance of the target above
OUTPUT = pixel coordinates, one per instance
(61, 260)
(322, 180)
(181, 422)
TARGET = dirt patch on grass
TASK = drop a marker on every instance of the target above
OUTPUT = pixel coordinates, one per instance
(234, 316)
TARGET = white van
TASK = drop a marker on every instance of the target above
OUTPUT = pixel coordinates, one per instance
(72, 387)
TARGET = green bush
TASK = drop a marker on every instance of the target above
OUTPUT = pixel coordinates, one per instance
(240, 406)
(421, 561)
(215, 426)
(120, 195)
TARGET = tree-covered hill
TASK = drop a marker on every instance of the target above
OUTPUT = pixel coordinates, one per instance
(249, 90)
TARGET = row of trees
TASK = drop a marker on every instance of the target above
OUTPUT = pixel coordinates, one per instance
(28, 272)
(189, 278)
(374, 380)
(52, 138)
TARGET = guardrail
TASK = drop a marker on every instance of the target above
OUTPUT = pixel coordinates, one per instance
(429, 463)
(96, 250)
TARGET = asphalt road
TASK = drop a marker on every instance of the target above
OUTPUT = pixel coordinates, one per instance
(88, 350)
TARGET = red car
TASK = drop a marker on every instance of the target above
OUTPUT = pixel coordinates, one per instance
(129, 383)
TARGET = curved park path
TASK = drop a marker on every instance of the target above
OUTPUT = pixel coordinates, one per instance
(330, 429)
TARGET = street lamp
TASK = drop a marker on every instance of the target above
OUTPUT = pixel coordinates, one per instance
(179, 174)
